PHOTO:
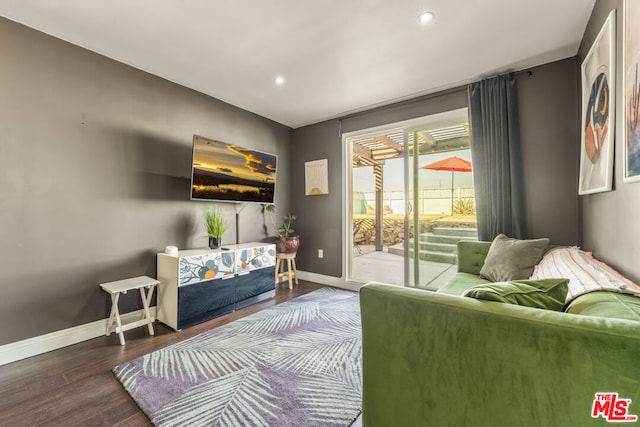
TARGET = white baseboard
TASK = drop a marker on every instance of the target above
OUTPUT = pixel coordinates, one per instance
(44, 343)
(19, 350)
(336, 282)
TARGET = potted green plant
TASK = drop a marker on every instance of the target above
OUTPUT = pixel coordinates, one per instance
(286, 242)
(216, 225)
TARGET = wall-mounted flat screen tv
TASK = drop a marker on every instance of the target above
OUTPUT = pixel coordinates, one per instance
(230, 173)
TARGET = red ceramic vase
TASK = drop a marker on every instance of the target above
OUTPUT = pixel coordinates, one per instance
(287, 245)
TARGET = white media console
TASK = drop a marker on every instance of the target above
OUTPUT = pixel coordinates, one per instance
(200, 284)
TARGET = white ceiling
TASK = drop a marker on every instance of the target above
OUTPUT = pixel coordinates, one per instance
(337, 56)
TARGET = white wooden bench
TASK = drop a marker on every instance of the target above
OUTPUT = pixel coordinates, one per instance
(121, 287)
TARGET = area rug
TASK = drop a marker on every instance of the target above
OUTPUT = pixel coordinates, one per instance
(293, 364)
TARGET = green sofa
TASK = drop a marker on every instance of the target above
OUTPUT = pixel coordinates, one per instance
(440, 359)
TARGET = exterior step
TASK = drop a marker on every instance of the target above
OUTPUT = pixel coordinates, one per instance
(439, 245)
(397, 249)
(455, 231)
(438, 257)
(445, 258)
(446, 248)
(425, 246)
(451, 240)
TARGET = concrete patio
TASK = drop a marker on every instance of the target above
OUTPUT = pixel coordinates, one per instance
(382, 266)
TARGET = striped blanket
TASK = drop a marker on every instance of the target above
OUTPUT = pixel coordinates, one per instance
(585, 273)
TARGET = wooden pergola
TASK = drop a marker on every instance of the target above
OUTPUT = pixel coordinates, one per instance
(374, 150)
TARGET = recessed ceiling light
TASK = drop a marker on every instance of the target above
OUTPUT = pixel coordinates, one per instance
(425, 17)
(279, 80)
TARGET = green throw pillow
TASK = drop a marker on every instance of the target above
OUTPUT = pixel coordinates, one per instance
(549, 294)
(512, 259)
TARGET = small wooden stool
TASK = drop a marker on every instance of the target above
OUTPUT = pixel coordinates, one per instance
(290, 272)
(121, 287)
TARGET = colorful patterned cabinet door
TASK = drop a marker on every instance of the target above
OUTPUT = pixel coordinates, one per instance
(254, 258)
(197, 285)
(198, 268)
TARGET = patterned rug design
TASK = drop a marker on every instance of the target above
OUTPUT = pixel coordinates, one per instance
(293, 364)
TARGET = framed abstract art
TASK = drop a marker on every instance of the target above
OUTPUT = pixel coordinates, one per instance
(631, 91)
(598, 111)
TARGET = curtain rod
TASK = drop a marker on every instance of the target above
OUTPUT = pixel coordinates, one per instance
(433, 95)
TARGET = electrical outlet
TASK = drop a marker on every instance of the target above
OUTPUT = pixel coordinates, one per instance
(320, 253)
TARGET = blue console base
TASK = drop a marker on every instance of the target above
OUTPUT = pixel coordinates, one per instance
(203, 301)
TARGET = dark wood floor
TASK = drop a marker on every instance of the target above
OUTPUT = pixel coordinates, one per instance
(75, 386)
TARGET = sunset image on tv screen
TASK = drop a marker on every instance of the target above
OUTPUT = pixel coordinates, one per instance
(229, 172)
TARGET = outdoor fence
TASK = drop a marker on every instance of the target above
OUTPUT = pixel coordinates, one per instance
(435, 201)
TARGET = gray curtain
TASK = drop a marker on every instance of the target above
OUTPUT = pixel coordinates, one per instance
(497, 157)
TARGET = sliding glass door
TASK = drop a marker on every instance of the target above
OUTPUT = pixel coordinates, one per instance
(377, 204)
(406, 208)
(440, 198)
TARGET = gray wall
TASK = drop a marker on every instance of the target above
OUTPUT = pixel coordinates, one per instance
(420, 107)
(319, 217)
(94, 165)
(94, 177)
(549, 126)
(610, 226)
(547, 100)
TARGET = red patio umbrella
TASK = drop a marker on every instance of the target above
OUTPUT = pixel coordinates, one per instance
(453, 164)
